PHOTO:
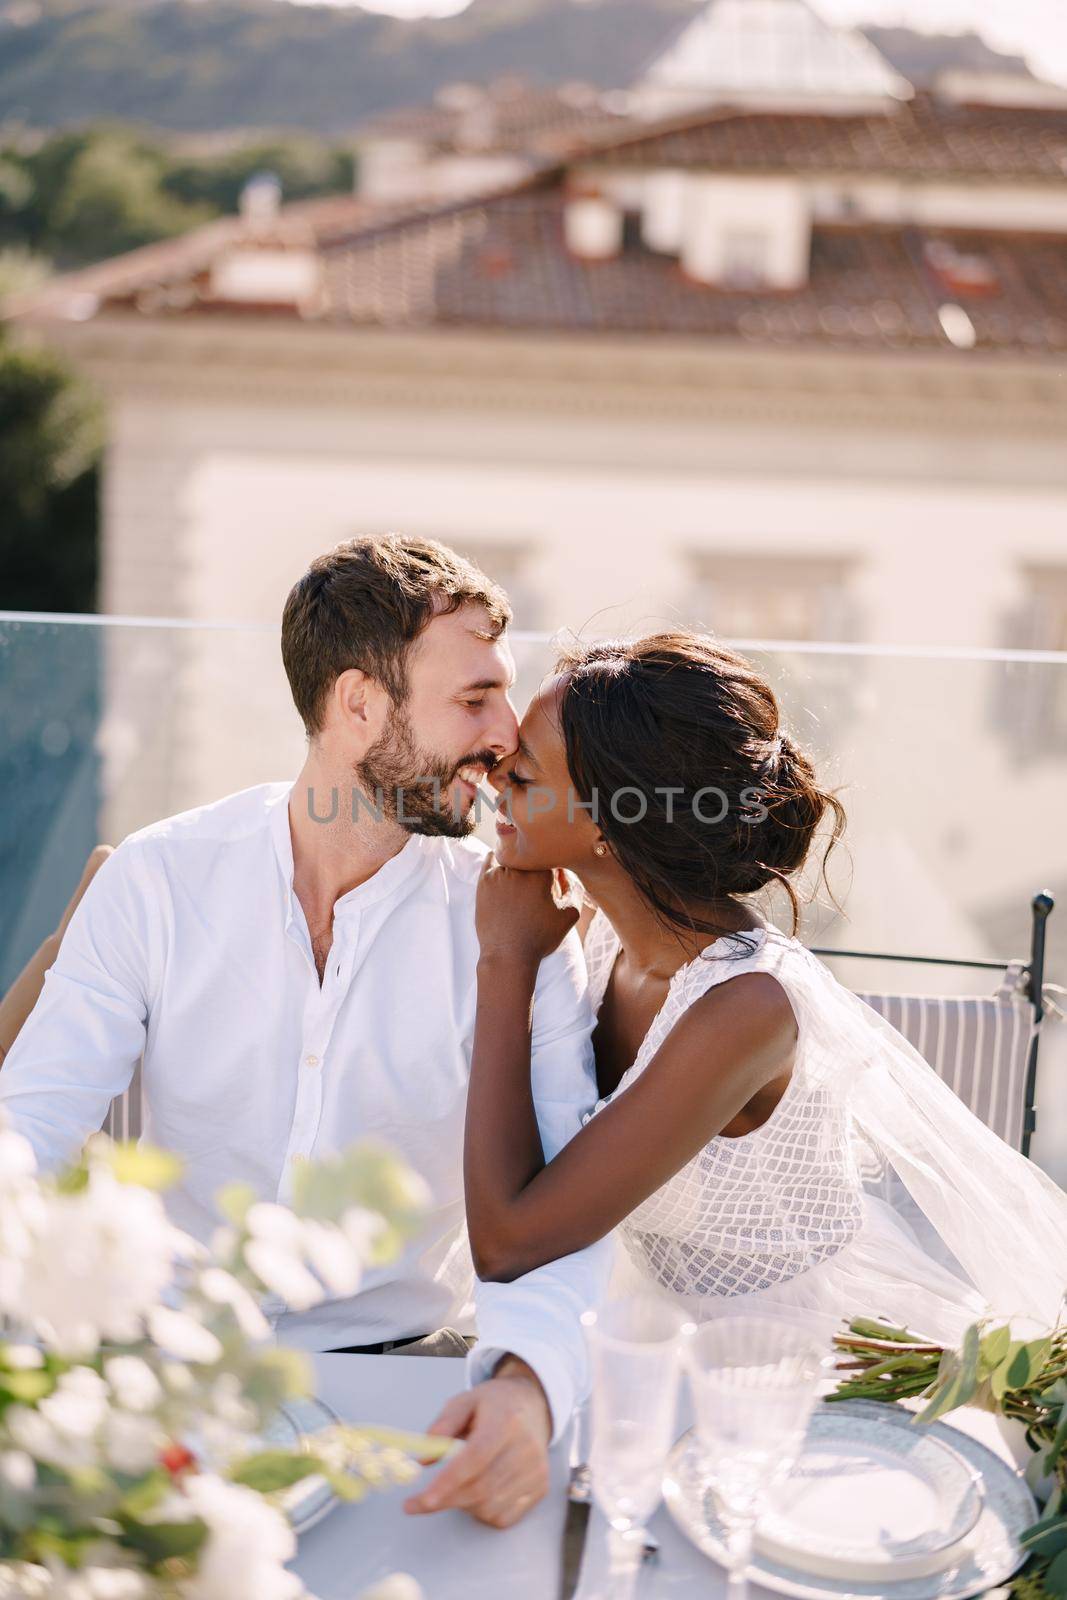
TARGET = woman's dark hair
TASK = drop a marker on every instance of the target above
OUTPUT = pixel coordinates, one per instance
(665, 718)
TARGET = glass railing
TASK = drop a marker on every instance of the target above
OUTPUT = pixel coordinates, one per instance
(952, 767)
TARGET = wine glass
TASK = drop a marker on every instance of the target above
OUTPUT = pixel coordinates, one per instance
(755, 1379)
(634, 1347)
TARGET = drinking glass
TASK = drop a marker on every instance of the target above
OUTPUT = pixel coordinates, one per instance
(755, 1380)
(634, 1351)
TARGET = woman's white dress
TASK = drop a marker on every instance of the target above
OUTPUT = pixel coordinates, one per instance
(846, 1201)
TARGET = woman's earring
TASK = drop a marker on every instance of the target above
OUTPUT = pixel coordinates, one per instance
(600, 849)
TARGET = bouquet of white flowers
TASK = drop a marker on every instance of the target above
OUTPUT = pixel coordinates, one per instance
(137, 1376)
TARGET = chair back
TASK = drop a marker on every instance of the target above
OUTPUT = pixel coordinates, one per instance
(979, 1045)
(125, 1119)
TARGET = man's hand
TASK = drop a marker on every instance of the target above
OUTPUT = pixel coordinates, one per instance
(502, 1469)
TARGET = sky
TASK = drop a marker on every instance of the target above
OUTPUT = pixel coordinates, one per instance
(1034, 28)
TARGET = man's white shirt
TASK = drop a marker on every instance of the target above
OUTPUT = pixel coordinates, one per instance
(191, 949)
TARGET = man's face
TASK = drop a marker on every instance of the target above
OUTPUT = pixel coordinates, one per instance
(455, 725)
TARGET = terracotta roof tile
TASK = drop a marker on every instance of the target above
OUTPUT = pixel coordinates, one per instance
(925, 137)
(504, 264)
(180, 262)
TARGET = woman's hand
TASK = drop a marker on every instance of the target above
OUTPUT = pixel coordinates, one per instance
(522, 916)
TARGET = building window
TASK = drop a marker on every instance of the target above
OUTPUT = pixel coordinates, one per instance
(785, 598)
(744, 258)
(777, 596)
(1030, 698)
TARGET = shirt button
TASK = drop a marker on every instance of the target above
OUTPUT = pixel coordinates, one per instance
(311, 1061)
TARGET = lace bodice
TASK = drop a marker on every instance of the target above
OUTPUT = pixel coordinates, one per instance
(749, 1213)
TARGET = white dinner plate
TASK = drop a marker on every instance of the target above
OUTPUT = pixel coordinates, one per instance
(308, 1501)
(873, 1498)
(986, 1557)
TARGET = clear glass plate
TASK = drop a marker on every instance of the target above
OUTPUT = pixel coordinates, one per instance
(308, 1501)
(871, 1497)
(986, 1558)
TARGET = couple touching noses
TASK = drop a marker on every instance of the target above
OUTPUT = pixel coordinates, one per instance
(309, 963)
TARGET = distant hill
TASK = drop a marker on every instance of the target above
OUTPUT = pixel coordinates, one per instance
(919, 57)
(195, 65)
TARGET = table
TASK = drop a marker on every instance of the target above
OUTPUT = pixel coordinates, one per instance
(451, 1555)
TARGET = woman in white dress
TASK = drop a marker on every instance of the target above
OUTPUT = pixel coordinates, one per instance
(759, 1131)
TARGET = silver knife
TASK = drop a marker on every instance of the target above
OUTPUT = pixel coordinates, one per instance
(575, 1528)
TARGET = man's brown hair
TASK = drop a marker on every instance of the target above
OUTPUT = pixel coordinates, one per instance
(363, 605)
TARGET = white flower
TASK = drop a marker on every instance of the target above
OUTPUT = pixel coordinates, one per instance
(228, 1425)
(133, 1383)
(248, 1544)
(222, 1288)
(21, 1204)
(95, 1582)
(78, 1403)
(275, 1253)
(100, 1258)
(330, 1252)
(281, 1270)
(132, 1443)
(17, 1471)
(401, 1586)
(177, 1378)
(363, 1229)
(275, 1225)
(39, 1438)
(63, 1430)
(228, 1403)
(181, 1335)
(23, 1357)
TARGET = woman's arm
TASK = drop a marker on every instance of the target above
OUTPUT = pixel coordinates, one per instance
(521, 1213)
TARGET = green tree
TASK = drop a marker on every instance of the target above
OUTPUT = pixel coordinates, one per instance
(304, 167)
(49, 465)
(113, 201)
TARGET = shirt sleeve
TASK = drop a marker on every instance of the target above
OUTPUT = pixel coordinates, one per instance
(537, 1317)
(80, 1045)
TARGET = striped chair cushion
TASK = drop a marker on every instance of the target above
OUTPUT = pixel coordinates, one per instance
(979, 1045)
(124, 1117)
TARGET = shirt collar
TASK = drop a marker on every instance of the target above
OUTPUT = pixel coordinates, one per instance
(389, 878)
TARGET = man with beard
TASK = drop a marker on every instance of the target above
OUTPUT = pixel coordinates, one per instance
(296, 964)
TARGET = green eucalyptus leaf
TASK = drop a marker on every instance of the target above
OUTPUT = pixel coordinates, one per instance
(271, 1470)
(956, 1385)
(1000, 1380)
(26, 1385)
(1027, 1362)
(69, 1547)
(993, 1349)
(345, 1485)
(1045, 1538)
(158, 1542)
(871, 1328)
(1056, 1576)
(72, 1180)
(424, 1447)
(145, 1495)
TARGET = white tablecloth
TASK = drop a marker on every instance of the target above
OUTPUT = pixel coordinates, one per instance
(453, 1557)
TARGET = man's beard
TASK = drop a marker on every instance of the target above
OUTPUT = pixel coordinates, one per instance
(411, 786)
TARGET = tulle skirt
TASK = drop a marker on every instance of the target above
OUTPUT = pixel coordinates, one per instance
(895, 1268)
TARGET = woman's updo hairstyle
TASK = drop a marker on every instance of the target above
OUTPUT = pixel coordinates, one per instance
(660, 719)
